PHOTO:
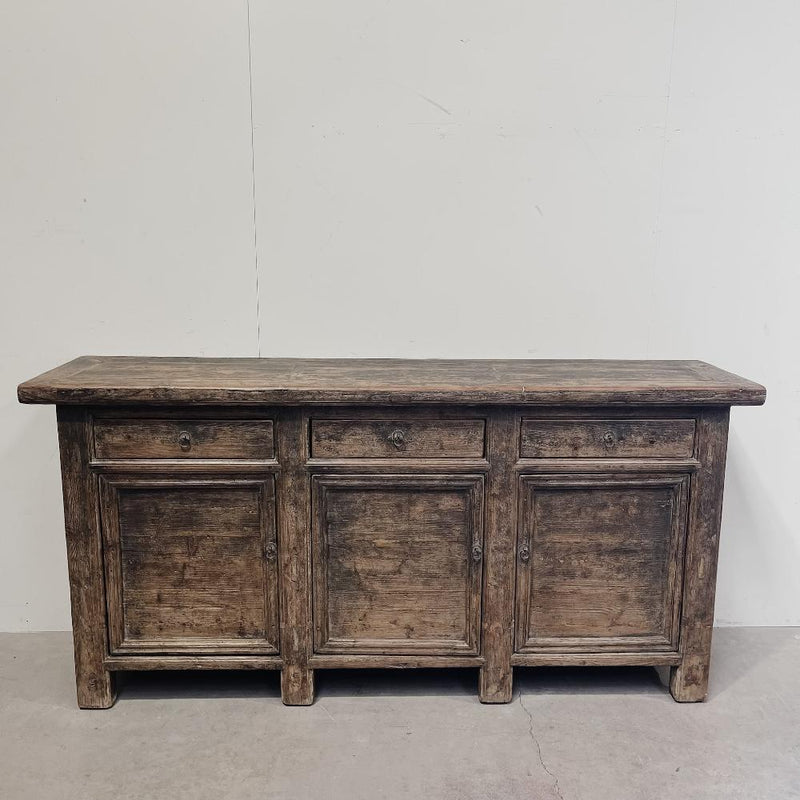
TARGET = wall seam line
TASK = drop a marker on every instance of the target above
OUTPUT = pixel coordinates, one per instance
(660, 201)
(253, 179)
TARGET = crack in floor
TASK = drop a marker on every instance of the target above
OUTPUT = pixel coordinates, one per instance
(532, 734)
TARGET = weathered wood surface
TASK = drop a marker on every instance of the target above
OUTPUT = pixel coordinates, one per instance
(392, 661)
(595, 659)
(495, 682)
(600, 562)
(199, 662)
(188, 438)
(397, 438)
(231, 381)
(414, 549)
(190, 564)
(610, 438)
(689, 681)
(294, 548)
(397, 564)
(95, 684)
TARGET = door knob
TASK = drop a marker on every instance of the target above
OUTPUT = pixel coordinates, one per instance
(398, 439)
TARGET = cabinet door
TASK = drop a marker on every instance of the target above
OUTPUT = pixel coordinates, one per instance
(190, 564)
(600, 561)
(397, 564)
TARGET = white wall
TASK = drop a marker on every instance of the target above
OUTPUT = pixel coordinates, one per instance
(127, 226)
(518, 179)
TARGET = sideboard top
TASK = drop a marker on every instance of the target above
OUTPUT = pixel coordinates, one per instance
(92, 380)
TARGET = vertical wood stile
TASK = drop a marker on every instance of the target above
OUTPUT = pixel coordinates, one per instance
(498, 583)
(294, 547)
(95, 684)
(689, 681)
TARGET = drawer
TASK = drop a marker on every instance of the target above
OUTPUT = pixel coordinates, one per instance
(607, 438)
(410, 438)
(174, 438)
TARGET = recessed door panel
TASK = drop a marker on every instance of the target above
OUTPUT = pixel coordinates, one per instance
(397, 563)
(600, 562)
(190, 564)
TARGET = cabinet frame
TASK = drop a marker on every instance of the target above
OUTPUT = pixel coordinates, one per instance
(595, 411)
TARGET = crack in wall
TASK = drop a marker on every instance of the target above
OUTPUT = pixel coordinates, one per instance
(532, 734)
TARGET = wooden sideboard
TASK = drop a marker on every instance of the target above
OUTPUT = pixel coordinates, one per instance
(313, 514)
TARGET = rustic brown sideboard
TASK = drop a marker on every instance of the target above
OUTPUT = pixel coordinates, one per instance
(305, 514)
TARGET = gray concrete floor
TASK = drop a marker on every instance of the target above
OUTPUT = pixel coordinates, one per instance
(585, 734)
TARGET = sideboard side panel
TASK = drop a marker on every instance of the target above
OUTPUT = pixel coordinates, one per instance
(498, 586)
(95, 684)
(294, 547)
(689, 680)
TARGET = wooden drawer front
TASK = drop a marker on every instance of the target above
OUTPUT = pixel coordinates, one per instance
(415, 438)
(600, 563)
(607, 438)
(397, 564)
(190, 565)
(167, 438)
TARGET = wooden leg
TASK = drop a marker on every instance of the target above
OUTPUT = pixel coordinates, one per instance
(688, 683)
(689, 680)
(495, 685)
(95, 690)
(294, 545)
(498, 587)
(297, 686)
(95, 684)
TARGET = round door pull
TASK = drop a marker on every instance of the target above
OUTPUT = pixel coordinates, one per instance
(398, 439)
(271, 551)
(525, 554)
(185, 440)
(477, 553)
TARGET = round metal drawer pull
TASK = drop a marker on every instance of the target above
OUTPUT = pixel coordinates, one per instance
(609, 439)
(271, 551)
(477, 553)
(398, 439)
(525, 554)
(185, 440)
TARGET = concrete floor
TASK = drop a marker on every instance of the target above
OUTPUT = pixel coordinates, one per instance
(570, 733)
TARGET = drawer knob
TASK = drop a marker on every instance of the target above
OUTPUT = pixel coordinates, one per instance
(185, 440)
(609, 440)
(477, 553)
(271, 551)
(398, 439)
(525, 554)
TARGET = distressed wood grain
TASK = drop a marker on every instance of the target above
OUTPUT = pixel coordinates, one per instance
(393, 661)
(609, 438)
(397, 563)
(689, 680)
(185, 439)
(496, 678)
(397, 438)
(232, 381)
(141, 662)
(294, 539)
(95, 684)
(600, 562)
(190, 564)
(302, 514)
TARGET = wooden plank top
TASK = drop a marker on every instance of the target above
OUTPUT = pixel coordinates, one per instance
(101, 380)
